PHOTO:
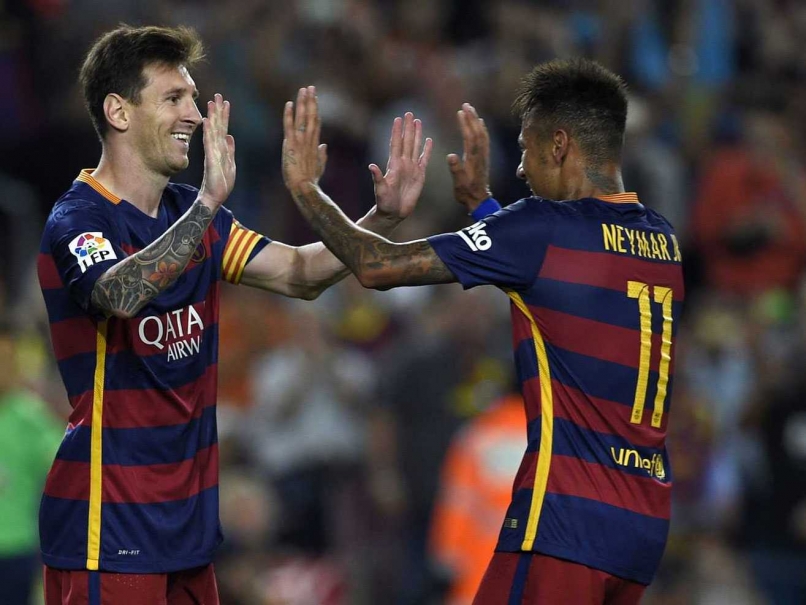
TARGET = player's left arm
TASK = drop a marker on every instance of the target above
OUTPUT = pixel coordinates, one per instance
(306, 271)
(376, 262)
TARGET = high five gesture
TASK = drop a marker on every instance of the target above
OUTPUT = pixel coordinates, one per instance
(397, 191)
(219, 154)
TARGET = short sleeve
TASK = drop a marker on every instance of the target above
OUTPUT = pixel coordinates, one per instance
(84, 243)
(504, 249)
(242, 246)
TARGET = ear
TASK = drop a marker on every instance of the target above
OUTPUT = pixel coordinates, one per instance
(560, 143)
(116, 111)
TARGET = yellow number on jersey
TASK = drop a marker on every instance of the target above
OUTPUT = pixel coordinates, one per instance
(664, 297)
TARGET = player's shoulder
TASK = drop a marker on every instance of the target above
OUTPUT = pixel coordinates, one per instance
(655, 218)
(528, 207)
(78, 201)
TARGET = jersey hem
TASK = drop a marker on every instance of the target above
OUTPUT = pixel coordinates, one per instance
(569, 554)
(169, 566)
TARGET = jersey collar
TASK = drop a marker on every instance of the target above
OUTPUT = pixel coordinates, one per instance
(630, 197)
(85, 176)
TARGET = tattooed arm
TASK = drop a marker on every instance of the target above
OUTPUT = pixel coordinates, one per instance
(306, 271)
(129, 285)
(377, 262)
(125, 288)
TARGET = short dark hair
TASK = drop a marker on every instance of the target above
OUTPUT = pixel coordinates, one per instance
(116, 61)
(581, 97)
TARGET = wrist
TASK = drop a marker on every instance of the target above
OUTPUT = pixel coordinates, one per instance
(379, 217)
(488, 206)
(302, 186)
(208, 202)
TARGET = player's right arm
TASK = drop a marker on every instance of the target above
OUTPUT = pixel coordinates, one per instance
(128, 286)
(381, 264)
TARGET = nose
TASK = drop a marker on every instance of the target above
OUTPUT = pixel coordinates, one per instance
(520, 173)
(192, 114)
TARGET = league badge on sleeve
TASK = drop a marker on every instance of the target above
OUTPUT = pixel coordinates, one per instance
(90, 248)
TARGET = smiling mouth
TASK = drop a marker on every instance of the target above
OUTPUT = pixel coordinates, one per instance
(181, 136)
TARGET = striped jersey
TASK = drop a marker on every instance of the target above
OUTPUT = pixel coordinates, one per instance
(596, 291)
(134, 486)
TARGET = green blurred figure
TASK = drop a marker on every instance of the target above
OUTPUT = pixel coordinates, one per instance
(29, 436)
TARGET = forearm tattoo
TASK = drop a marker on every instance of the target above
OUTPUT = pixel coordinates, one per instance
(409, 264)
(132, 283)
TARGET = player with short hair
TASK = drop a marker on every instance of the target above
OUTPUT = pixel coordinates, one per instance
(596, 288)
(130, 268)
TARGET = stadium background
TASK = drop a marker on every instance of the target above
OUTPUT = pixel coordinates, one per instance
(335, 415)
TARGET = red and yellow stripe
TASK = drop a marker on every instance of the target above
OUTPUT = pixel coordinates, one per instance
(236, 254)
(628, 197)
(85, 176)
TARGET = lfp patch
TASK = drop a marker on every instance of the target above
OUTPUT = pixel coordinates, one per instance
(90, 248)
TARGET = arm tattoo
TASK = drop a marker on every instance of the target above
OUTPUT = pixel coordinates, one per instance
(129, 285)
(364, 253)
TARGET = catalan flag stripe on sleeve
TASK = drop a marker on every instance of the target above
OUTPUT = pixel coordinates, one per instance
(237, 252)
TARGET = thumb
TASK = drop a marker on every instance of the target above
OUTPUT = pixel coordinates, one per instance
(454, 163)
(321, 155)
(377, 175)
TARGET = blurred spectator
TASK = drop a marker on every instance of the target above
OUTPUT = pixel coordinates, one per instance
(447, 371)
(475, 491)
(774, 525)
(749, 227)
(30, 436)
(307, 434)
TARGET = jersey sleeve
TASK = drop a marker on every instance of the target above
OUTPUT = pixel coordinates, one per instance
(242, 246)
(504, 249)
(84, 243)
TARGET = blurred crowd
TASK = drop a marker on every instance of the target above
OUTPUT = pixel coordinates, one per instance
(359, 430)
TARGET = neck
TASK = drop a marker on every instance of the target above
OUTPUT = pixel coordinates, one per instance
(595, 182)
(124, 174)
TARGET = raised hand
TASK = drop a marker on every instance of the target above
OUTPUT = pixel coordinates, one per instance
(471, 172)
(219, 154)
(304, 158)
(397, 191)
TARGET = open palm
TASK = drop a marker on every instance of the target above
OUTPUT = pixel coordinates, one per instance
(219, 153)
(397, 191)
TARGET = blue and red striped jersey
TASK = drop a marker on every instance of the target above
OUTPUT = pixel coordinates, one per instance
(134, 486)
(596, 290)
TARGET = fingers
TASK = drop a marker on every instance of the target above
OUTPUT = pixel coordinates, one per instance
(396, 140)
(302, 110)
(425, 156)
(408, 135)
(377, 175)
(477, 124)
(206, 135)
(288, 120)
(312, 123)
(225, 116)
(454, 163)
(474, 131)
(466, 130)
(418, 139)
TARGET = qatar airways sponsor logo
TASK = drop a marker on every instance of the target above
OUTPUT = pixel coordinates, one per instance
(178, 332)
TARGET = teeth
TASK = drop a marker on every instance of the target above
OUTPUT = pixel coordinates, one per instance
(181, 137)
